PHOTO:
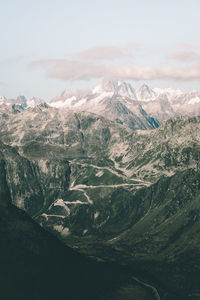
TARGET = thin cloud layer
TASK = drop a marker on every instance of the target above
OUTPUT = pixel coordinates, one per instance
(71, 70)
(186, 53)
(96, 63)
(185, 56)
(78, 70)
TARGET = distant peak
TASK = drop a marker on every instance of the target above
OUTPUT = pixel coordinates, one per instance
(67, 93)
(145, 93)
(114, 83)
(117, 87)
(22, 97)
(144, 86)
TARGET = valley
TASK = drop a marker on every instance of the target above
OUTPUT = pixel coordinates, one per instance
(113, 194)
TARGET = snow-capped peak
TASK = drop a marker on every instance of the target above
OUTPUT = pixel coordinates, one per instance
(168, 91)
(117, 87)
(65, 99)
(145, 93)
(106, 86)
(66, 93)
(33, 101)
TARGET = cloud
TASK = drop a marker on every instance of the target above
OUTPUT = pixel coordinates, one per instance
(186, 53)
(106, 53)
(185, 56)
(129, 72)
(108, 62)
(71, 70)
(85, 70)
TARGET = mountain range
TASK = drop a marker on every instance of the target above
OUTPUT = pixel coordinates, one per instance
(140, 108)
(114, 194)
(118, 100)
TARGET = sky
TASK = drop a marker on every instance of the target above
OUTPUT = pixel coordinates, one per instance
(47, 46)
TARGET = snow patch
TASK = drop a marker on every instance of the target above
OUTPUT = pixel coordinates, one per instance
(97, 99)
(66, 103)
(194, 100)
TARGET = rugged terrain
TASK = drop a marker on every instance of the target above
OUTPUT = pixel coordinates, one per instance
(35, 265)
(130, 197)
(137, 108)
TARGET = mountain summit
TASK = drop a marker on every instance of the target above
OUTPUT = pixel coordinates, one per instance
(119, 101)
(114, 99)
(145, 93)
(117, 87)
(21, 101)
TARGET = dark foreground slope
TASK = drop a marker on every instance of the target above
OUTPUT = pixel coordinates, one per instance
(35, 265)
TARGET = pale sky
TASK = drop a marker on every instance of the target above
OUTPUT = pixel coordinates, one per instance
(47, 46)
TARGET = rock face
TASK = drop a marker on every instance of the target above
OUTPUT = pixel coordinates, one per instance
(115, 100)
(21, 101)
(32, 184)
(123, 195)
(142, 108)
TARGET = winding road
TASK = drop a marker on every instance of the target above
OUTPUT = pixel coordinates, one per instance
(153, 289)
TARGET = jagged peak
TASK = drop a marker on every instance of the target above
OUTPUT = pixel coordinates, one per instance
(144, 92)
(67, 93)
(22, 97)
(117, 87)
(144, 86)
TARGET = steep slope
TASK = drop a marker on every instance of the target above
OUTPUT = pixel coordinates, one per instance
(115, 100)
(166, 106)
(167, 236)
(145, 93)
(139, 108)
(157, 104)
(159, 236)
(61, 162)
(173, 146)
(78, 166)
(161, 108)
(89, 179)
(21, 101)
(33, 184)
(35, 265)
